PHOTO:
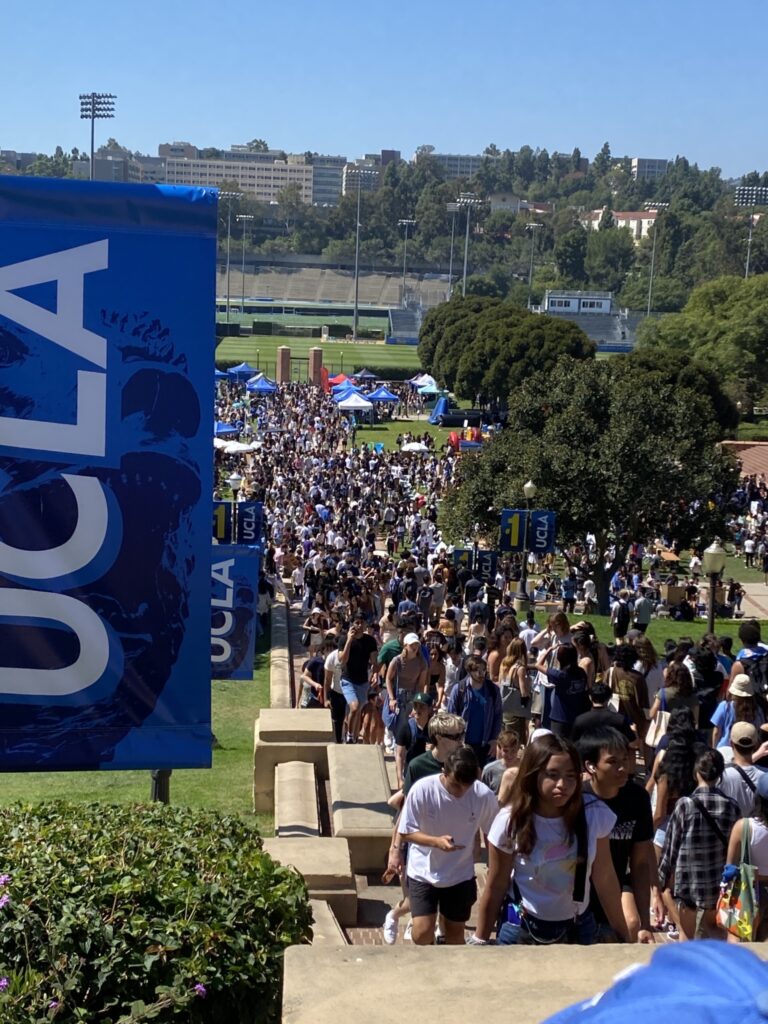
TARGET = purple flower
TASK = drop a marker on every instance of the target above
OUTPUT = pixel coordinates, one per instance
(5, 879)
(54, 1004)
(3, 984)
(4, 899)
(200, 990)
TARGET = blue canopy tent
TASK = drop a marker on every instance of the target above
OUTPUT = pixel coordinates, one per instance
(382, 394)
(242, 372)
(364, 375)
(220, 375)
(345, 385)
(263, 386)
(429, 390)
(347, 393)
(223, 429)
(441, 409)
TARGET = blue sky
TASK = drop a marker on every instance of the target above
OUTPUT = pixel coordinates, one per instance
(655, 79)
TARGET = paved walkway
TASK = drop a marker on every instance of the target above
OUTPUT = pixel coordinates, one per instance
(755, 604)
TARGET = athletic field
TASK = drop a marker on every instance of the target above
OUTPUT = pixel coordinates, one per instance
(338, 356)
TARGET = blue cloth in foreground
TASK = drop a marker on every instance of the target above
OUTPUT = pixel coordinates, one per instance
(106, 319)
(234, 583)
(693, 983)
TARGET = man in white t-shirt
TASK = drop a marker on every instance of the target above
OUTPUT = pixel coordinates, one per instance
(440, 820)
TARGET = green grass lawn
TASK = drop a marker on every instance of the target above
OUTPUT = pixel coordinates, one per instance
(338, 357)
(387, 432)
(225, 787)
(666, 629)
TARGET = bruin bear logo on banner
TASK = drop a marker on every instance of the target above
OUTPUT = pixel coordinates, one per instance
(106, 301)
(87, 436)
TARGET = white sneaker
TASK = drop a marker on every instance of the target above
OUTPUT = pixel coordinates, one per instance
(408, 932)
(391, 928)
(439, 935)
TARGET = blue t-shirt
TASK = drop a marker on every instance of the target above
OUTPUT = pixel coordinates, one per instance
(723, 719)
(569, 699)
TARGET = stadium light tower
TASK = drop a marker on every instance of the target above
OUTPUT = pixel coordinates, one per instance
(96, 106)
(243, 218)
(532, 227)
(467, 200)
(368, 174)
(229, 196)
(751, 196)
(453, 209)
(406, 223)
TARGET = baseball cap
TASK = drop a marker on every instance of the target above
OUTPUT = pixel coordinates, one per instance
(691, 983)
(411, 638)
(634, 634)
(423, 698)
(743, 734)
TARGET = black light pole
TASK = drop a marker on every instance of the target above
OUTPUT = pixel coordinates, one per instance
(229, 196)
(453, 209)
(235, 482)
(406, 223)
(713, 563)
(96, 106)
(532, 228)
(467, 200)
(751, 196)
(522, 600)
(241, 219)
(368, 173)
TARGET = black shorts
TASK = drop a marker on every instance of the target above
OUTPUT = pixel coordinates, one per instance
(454, 902)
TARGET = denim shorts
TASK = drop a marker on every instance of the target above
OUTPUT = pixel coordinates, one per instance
(533, 931)
(355, 691)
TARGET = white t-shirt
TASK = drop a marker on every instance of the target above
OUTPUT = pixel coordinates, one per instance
(430, 808)
(545, 877)
(332, 664)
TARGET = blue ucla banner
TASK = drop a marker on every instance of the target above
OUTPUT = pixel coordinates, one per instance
(234, 593)
(542, 527)
(106, 319)
(462, 557)
(222, 521)
(250, 522)
(487, 562)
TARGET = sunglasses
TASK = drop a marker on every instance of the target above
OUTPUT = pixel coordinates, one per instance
(454, 735)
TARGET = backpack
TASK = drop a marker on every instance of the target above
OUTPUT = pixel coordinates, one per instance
(622, 619)
(757, 670)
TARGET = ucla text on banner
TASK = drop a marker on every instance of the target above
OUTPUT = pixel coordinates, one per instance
(106, 318)
(462, 556)
(541, 530)
(234, 593)
(487, 562)
(250, 522)
(222, 521)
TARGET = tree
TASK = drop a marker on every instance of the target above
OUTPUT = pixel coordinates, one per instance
(610, 255)
(616, 452)
(606, 220)
(570, 254)
(492, 150)
(602, 162)
(511, 345)
(257, 146)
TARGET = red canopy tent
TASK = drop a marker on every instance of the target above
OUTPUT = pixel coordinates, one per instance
(338, 379)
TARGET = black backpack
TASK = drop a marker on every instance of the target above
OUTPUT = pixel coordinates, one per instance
(757, 670)
(622, 619)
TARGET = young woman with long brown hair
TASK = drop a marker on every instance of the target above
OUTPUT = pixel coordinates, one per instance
(516, 689)
(545, 848)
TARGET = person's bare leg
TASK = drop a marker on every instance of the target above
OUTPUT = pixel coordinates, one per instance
(423, 932)
(453, 932)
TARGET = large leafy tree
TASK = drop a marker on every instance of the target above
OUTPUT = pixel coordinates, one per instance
(609, 258)
(616, 451)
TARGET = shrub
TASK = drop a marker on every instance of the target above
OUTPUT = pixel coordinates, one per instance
(126, 914)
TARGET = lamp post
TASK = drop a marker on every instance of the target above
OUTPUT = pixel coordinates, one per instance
(235, 482)
(522, 600)
(467, 200)
(361, 172)
(532, 228)
(752, 196)
(453, 209)
(229, 196)
(713, 563)
(96, 106)
(241, 218)
(653, 266)
(406, 223)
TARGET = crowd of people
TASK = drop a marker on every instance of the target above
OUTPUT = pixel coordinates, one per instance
(610, 785)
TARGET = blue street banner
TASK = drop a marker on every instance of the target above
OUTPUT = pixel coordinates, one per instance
(462, 556)
(250, 522)
(222, 521)
(234, 594)
(107, 298)
(541, 530)
(487, 562)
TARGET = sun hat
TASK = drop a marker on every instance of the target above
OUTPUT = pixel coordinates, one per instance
(744, 734)
(741, 686)
(411, 638)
